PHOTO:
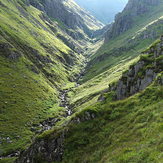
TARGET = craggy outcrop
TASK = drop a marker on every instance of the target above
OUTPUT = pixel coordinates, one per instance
(86, 116)
(126, 19)
(142, 74)
(47, 149)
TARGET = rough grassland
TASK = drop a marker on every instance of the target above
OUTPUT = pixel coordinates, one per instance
(114, 57)
(130, 130)
(123, 131)
(32, 70)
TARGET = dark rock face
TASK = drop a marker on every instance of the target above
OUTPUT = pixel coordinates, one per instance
(56, 9)
(122, 24)
(9, 52)
(84, 117)
(125, 20)
(132, 86)
(139, 7)
(44, 125)
(48, 150)
(140, 76)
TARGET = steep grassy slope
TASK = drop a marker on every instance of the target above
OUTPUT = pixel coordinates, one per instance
(122, 45)
(37, 60)
(39, 57)
(118, 131)
(125, 131)
(129, 130)
(117, 54)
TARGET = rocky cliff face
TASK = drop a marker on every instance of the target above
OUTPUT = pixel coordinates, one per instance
(142, 74)
(45, 150)
(71, 15)
(139, 7)
(125, 20)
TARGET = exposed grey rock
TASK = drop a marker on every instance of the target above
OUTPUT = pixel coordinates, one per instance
(131, 82)
(44, 125)
(125, 20)
(86, 116)
(14, 154)
(9, 52)
(34, 69)
(101, 98)
(8, 140)
(137, 67)
(149, 76)
(48, 150)
(14, 55)
(160, 80)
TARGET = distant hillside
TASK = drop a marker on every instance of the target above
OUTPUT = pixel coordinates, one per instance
(131, 15)
(104, 10)
(76, 21)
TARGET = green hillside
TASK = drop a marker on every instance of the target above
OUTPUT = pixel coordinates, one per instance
(35, 64)
(69, 94)
(128, 130)
(125, 131)
(117, 54)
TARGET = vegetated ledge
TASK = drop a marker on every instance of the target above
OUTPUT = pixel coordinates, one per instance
(141, 74)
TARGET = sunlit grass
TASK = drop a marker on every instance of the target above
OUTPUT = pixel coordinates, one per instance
(26, 97)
